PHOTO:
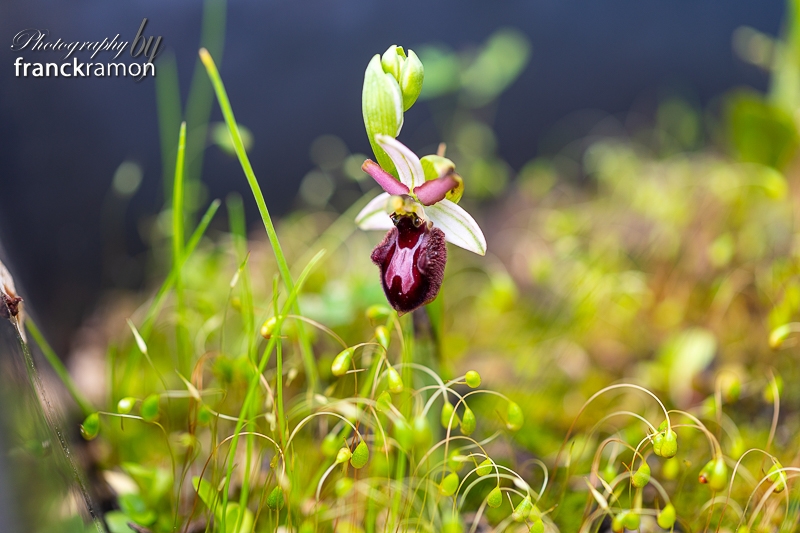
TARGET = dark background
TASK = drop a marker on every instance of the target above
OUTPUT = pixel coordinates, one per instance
(294, 72)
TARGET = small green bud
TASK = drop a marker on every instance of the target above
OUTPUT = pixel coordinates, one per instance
(411, 76)
(671, 468)
(403, 434)
(641, 477)
(473, 379)
(514, 417)
(777, 477)
(485, 467)
(383, 336)
(658, 443)
(537, 526)
(384, 402)
(449, 484)
(670, 445)
(342, 362)
(91, 426)
(394, 380)
(522, 510)
(149, 409)
(495, 498)
(378, 312)
(468, 422)
(391, 61)
(422, 432)
(632, 520)
(125, 405)
(204, 415)
(268, 327)
(618, 522)
(666, 518)
(343, 486)
(276, 500)
(447, 414)
(343, 455)
(714, 474)
(360, 456)
(455, 460)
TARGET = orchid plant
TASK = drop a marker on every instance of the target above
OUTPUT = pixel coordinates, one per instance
(419, 206)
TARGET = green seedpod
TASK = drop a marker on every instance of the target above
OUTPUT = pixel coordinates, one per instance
(383, 336)
(343, 455)
(342, 362)
(126, 405)
(777, 477)
(422, 432)
(449, 484)
(394, 380)
(276, 500)
(522, 510)
(204, 415)
(150, 407)
(447, 414)
(495, 498)
(384, 402)
(670, 445)
(378, 312)
(537, 526)
(451, 523)
(714, 474)
(618, 522)
(268, 327)
(514, 417)
(403, 434)
(485, 467)
(330, 444)
(473, 379)
(632, 520)
(641, 477)
(658, 443)
(360, 456)
(343, 486)
(666, 518)
(91, 426)
(670, 469)
(468, 422)
(455, 460)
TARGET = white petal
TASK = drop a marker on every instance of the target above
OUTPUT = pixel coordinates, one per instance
(409, 169)
(458, 226)
(374, 215)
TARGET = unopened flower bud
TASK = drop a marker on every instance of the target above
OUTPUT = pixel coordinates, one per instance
(447, 414)
(485, 468)
(514, 417)
(641, 477)
(666, 518)
(382, 336)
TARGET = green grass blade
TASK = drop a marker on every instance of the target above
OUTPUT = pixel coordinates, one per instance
(283, 267)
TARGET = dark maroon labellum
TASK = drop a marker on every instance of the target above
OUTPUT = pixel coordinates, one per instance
(411, 258)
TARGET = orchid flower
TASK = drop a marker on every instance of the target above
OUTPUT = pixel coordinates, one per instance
(420, 219)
